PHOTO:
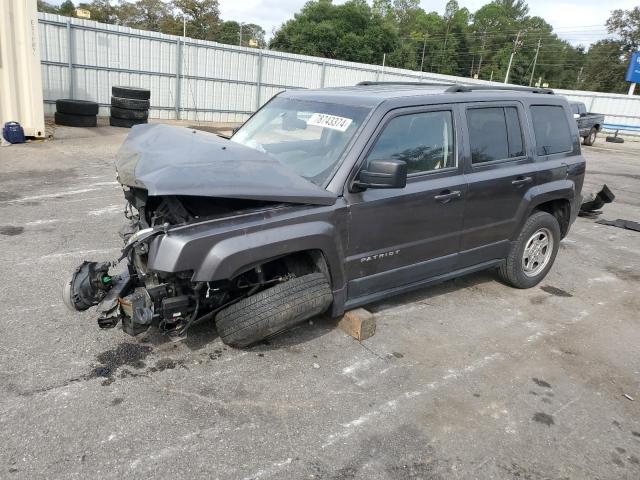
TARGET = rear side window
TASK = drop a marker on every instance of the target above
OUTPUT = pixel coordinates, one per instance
(494, 134)
(551, 129)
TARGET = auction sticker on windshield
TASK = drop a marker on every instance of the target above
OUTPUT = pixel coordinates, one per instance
(329, 121)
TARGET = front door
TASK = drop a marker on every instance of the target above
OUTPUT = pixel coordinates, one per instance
(401, 236)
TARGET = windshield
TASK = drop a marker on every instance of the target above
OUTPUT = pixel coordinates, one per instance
(306, 136)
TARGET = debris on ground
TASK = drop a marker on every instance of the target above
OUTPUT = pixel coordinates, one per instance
(628, 397)
(593, 202)
(615, 138)
(621, 223)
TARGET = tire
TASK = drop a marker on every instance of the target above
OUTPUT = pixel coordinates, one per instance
(77, 107)
(124, 122)
(274, 310)
(129, 114)
(590, 139)
(513, 271)
(75, 120)
(130, 103)
(131, 92)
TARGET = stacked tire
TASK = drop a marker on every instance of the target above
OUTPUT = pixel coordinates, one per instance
(129, 106)
(76, 113)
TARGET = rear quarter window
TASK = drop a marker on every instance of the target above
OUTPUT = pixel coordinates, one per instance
(551, 129)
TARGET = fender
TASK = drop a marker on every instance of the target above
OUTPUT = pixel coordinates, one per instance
(213, 258)
(237, 254)
(557, 190)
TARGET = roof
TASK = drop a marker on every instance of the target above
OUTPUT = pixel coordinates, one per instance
(373, 94)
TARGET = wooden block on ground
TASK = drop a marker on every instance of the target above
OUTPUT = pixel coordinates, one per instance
(359, 323)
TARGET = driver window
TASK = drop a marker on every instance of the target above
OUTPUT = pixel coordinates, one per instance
(423, 140)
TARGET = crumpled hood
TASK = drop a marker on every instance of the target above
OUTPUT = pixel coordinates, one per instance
(168, 160)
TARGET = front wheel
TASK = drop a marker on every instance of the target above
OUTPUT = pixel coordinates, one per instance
(591, 138)
(533, 253)
(274, 310)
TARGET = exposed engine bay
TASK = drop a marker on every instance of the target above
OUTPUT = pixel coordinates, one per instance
(139, 297)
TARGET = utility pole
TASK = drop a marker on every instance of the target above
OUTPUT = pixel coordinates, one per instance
(424, 46)
(482, 51)
(513, 52)
(535, 60)
(578, 80)
(184, 26)
(384, 58)
(240, 34)
(444, 47)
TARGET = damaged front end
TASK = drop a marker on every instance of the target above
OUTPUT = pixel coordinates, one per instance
(139, 297)
(178, 180)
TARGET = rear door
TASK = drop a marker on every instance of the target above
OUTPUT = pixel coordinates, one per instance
(401, 236)
(500, 169)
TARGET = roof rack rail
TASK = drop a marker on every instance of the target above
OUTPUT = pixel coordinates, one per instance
(471, 88)
(368, 83)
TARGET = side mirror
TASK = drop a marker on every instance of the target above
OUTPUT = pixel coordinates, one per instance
(383, 174)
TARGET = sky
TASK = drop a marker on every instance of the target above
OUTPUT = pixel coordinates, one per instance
(578, 21)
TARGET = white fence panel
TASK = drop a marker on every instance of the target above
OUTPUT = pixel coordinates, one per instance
(207, 81)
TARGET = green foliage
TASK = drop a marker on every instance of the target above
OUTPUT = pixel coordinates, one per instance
(605, 67)
(351, 31)
(46, 7)
(67, 8)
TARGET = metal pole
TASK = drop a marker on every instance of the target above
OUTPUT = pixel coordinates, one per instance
(259, 81)
(632, 88)
(323, 74)
(184, 26)
(424, 46)
(535, 60)
(240, 34)
(70, 57)
(384, 58)
(178, 79)
(513, 52)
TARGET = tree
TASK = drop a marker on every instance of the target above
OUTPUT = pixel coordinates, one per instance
(46, 7)
(605, 67)
(203, 17)
(67, 8)
(351, 31)
(626, 24)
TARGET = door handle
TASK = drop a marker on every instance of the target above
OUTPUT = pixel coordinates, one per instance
(446, 196)
(522, 181)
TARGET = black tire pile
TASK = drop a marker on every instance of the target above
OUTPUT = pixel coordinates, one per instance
(76, 113)
(129, 106)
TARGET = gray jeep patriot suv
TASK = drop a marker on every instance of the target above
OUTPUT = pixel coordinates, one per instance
(328, 199)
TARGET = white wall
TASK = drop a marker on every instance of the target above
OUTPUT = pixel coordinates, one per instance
(207, 81)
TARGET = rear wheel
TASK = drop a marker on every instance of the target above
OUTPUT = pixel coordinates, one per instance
(274, 310)
(533, 253)
(591, 138)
